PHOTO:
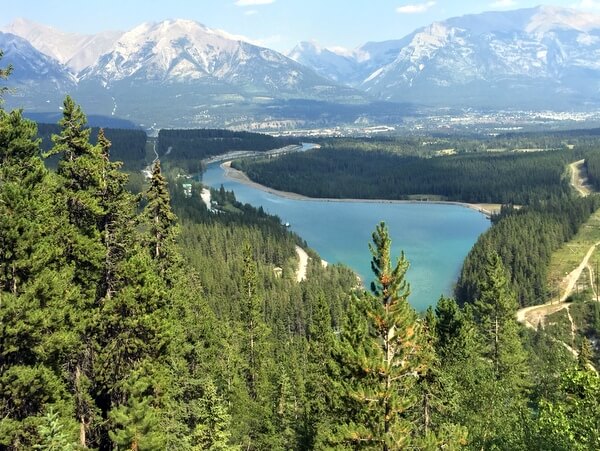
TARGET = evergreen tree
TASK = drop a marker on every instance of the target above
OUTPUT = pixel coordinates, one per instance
(21, 176)
(572, 422)
(33, 288)
(4, 74)
(494, 405)
(379, 355)
(78, 200)
(256, 368)
(52, 437)
(495, 312)
(212, 427)
(138, 425)
(584, 358)
(255, 330)
(117, 220)
(161, 221)
(318, 352)
(286, 412)
(437, 393)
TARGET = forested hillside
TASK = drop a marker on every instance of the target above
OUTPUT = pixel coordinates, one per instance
(525, 239)
(150, 323)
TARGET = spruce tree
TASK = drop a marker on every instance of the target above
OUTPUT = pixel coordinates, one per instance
(494, 399)
(34, 334)
(137, 421)
(78, 200)
(117, 220)
(254, 398)
(585, 355)
(495, 312)
(286, 411)
(52, 436)
(211, 431)
(21, 201)
(161, 221)
(572, 422)
(379, 358)
(254, 345)
(435, 427)
(318, 351)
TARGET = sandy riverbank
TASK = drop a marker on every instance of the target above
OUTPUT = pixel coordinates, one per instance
(239, 176)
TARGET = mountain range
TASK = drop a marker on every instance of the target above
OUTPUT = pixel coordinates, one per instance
(179, 73)
(544, 57)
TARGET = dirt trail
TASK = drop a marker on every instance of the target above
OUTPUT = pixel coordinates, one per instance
(579, 178)
(532, 316)
(302, 264)
(206, 197)
(572, 323)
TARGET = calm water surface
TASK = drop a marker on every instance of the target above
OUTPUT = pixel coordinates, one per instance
(434, 237)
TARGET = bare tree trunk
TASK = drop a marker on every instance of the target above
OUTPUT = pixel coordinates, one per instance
(82, 422)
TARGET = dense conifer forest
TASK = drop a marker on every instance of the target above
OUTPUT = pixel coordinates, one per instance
(340, 172)
(147, 322)
(127, 145)
(525, 239)
(188, 147)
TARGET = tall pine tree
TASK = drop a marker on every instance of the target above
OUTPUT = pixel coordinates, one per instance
(379, 356)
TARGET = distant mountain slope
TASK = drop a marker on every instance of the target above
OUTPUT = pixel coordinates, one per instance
(76, 51)
(335, 65)
(544, 57)
(184, 51)
(37, 79)
(181, 73)
(350, 67)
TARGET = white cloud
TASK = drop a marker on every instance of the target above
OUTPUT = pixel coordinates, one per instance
(253, 2)
(504, 4)
(415, 8)
(588, 4)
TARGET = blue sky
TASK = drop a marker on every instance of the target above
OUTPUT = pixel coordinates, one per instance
(278, 24)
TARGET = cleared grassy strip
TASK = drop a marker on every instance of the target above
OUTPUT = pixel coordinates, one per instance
(571, 254)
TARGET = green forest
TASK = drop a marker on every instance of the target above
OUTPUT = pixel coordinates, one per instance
(127, 145)
(347, 172)
(143, 321)
(187, 147)
(525, 239)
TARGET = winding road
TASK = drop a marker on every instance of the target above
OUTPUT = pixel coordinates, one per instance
(579, 178)
(532, 316)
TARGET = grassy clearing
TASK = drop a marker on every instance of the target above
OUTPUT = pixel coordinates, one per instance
(558, 325)
(586, 319)
(570, 255)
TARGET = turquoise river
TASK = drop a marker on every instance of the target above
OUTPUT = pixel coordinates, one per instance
(434, 237)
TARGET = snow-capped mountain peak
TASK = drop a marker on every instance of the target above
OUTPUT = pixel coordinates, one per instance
(76, 51)
(336, 63)
(186, 53)
(168, 49)
(539, 50)
(547, 18)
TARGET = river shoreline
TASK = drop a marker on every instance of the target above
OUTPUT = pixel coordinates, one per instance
(234, 174)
